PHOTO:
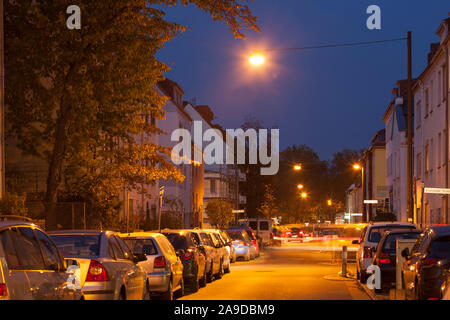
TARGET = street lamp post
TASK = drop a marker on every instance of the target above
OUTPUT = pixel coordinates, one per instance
(363, 191)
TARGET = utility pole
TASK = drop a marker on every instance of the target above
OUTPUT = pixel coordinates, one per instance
(2, 103)
(161, 194)
(409, 189)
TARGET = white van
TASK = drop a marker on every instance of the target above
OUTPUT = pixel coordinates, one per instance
(261, 227)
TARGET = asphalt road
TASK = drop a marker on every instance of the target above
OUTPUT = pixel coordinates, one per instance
(289, 272)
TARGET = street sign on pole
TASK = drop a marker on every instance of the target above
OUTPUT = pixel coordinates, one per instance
(238, 211)
(437, 190)
(370, 201)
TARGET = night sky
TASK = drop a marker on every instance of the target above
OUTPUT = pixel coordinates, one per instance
(328, 99)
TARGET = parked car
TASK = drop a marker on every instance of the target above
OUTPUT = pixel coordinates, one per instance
(243, 245)
(426, 267)
(445, 288)
(224, 252)
(370, 237)
(31, 266)
(252, 236)
(188, 247)
(163, 267)
(109, 270)
(213, 258)
(386, 252)
(261, 227)
(229, 244)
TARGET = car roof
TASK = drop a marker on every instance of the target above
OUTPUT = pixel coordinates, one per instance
(85, 232)
(403, 231)
(440, 231)
(140, 234)
(390, 223)
(12, 223)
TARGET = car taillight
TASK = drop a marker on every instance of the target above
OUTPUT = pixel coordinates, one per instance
(188, 254)
(242, 243)
(367, 252)
(300, 233)
(159, 262)
(384, 258)
(96, 272)
(3, 290)
(429, 261)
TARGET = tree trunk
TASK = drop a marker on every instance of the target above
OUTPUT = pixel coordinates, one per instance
(55, 172)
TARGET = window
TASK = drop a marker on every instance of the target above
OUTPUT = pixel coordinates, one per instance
(431, 95)
(440, 248)
(10, 251)
(439, 151)
(206, 239)
(125, 249)
(427, 102)
(439, 87)
(115, 248)
(432, 162)
(28, 249)
(212, 187)
(78, 245)
(264, 225)
(51, 255)
(427, 159)
(141, 246)
(418, 114)
(419, 165)
(444, 83)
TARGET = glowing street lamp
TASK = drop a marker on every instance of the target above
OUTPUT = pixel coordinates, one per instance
(330, 203)
(257, 58)
(300, 186)
(356, 167)
(304, 195)
(297, 167)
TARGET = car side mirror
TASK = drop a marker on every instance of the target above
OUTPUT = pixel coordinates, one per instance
(180, 253)
(405, 253)
(139, 257)
(355, 242)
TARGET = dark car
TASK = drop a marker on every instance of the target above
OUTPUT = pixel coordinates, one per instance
(188, 246)
(385, 256)
(425, 268)
(211, 253)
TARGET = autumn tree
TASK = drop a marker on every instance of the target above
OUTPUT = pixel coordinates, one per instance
(79, 98)
(220, 212)
(268, 208)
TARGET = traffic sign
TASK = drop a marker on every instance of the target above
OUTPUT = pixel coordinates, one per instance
(370, 201)
(238, 211)
(437, 190)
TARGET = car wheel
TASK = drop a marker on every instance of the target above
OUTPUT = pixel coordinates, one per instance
(194, 283)
(209, 276)
(168, 295)
(220, 273)
(227, 269)
(147, 294)
(180, 292)
(122, 295)
(203, 279)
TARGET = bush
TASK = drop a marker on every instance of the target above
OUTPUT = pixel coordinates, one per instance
(13, 204)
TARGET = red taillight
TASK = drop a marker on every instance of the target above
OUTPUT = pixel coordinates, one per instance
(3, 290)
(242, 243)
(367, 252)
(159, 262)
(429, 261)
(97, 272)
(188, 254)
(384, 258)
(300, 233)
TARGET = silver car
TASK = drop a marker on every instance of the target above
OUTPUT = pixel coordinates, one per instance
(109, 269)
(31, 266)
(163, 267)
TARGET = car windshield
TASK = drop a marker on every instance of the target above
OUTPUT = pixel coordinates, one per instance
(376, 233)
(142, 246)
(178, 241)
(78, 245)
(440, 247)
(236, 235)
(390, 243)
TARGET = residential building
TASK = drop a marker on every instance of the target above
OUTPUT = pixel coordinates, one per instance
(353, 204)
(374, 162)
(431, 132)
(395, 119)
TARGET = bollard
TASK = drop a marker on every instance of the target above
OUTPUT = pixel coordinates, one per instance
(344, 261)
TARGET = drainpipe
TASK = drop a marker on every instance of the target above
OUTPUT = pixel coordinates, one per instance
(446, 131)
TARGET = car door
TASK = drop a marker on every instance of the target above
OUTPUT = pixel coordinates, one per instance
(174, 261)
(201, 258)
(54, 266)
(17, 282)
(42, 286)
(410, 266)
(134, 274)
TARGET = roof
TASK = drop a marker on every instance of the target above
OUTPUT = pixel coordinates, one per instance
(166, 87)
